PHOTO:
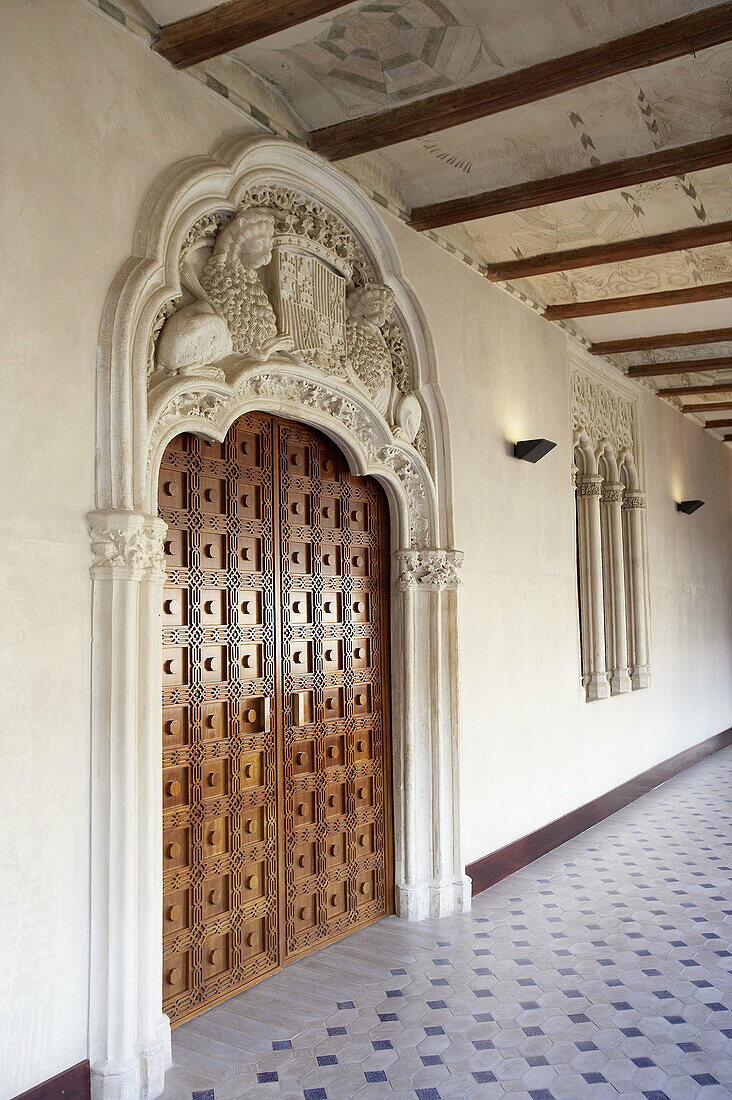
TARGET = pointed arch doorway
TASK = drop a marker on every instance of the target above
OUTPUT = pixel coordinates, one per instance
(277, 830)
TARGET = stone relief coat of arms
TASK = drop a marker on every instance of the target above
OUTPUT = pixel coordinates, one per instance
(267, 283)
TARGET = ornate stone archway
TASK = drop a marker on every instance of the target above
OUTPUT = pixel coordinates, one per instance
(261, 279)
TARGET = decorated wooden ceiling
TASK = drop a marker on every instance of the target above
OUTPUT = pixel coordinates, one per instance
(581, 148)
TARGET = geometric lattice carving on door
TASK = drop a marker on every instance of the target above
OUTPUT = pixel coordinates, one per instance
(334, 660)
(276, 789)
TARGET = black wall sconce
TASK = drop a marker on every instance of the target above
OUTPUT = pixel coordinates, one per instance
(688, 506)
(531, 450)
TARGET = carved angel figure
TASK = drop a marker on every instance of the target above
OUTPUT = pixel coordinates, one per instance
(231, 311)
(367, 309)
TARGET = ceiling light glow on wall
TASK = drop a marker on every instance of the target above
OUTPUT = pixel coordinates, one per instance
(531, 450)
(688, 506)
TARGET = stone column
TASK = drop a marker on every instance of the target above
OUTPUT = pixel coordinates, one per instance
(153, 1043)
(125, 546)
(616, 631)
(431, 878)
(590, 580)
(636, 583)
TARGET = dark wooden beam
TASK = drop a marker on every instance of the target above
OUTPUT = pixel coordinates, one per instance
(660, 164)
(234, 24)
(693, 391)
(613, 252)
(680, 366)
(709, 407)
(697, 31)
(667, 340)
(727, 438)
(710, 292)
(726, 423)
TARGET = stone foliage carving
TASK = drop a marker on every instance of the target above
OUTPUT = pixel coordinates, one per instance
(588, 488)
(284, 274)
(602, 413)
(124, 547)
(634, 500)
(434, 569)
(194, 403)
(308, 394)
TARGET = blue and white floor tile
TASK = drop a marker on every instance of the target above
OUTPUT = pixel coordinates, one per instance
(602, 970)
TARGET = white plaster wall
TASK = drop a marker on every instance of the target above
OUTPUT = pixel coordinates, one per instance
(89, 118)
(533, 749)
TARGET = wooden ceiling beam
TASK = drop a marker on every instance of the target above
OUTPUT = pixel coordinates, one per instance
(612, 252)
(727, 438)
(697, 31)
(667, 340)
(680, 366)
(709, 292)
(725, 423)
(661, 164)
(693, 391)
(701, 407)
(233, 24)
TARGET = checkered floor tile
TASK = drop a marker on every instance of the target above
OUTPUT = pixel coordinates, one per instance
(602, 970)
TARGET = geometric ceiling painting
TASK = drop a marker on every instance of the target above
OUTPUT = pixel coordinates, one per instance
(580, 150)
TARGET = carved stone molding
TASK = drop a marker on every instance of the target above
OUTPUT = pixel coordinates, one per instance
(434, 569)
(126, 544)
(603, 414)
(301, 393)
(589, 486)
(634, 500)
(193, 403)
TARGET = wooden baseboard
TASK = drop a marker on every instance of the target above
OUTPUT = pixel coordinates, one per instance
(492, 868)
(72, 1084)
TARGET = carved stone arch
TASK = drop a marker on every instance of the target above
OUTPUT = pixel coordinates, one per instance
(144, 399)
(584, 454)
(629, 472)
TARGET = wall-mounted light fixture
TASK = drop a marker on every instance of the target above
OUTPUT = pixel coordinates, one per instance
(531, 450)
(688, 506)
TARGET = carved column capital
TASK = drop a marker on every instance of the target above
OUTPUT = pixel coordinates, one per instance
(634, 499)
(126, 544)
(589, 485)
(432, 569)
(612, 493)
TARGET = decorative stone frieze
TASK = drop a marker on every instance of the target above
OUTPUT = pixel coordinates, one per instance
(434, 569)
(634, 500)
(589, 487)
(601, 412)
(612, 494)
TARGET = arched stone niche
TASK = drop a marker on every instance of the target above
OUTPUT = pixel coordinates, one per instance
(261, 278)
(611, 532)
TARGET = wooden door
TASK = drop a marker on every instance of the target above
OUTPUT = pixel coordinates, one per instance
(276, 754)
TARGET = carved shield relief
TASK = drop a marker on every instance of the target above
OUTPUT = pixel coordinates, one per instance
(310, 301)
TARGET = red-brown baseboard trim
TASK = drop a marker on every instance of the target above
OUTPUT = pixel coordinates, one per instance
(72, 1084)
(492, 868)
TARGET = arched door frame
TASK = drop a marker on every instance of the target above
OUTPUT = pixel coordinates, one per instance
(129, 1035)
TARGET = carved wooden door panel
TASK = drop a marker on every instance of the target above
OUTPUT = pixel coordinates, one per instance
(334, 662)
(276, 782)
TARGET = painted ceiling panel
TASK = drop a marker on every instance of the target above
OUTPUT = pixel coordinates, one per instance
(170, 11)
(648, 209)
(383, 52)
(676, 271)
(677, 103)
(653, 322)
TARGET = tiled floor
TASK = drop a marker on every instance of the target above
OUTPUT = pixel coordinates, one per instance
(604, 969)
